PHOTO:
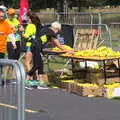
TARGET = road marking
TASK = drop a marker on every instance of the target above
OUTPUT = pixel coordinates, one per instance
(14, 107)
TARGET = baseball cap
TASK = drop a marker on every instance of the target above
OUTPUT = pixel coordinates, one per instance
(11, 11)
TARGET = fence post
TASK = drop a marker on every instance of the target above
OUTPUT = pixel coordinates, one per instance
(20, 77)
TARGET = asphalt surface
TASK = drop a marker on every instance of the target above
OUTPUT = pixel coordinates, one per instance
(56, 104)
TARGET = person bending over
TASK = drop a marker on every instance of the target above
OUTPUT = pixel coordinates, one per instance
(47, 35)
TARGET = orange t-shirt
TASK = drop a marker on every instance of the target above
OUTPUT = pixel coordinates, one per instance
(5, 29)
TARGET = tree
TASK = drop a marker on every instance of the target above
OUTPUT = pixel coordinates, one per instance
(112, 2)
(59, 4)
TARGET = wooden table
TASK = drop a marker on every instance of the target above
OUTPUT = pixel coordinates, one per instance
(85, 59)
(98, 59)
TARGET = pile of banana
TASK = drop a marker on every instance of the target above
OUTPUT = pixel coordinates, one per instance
(102, 51)
(59, 50)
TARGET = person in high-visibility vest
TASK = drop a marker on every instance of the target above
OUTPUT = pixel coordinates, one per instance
(29, 35)
(47, 35)
(17, 29)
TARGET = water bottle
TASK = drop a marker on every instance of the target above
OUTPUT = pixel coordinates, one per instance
(61, 39)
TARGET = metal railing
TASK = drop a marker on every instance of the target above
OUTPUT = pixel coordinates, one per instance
(80, 17)
(109, 17)
(104, 32)
(114, 29)
(12, 95)
(69, 18)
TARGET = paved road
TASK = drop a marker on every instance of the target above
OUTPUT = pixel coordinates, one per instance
(54, 104)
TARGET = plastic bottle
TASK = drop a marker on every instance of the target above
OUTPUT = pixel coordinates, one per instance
(61, 39)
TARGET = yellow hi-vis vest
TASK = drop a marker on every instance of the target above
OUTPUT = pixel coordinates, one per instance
(29, 33)
(43, 39)
(14, 23)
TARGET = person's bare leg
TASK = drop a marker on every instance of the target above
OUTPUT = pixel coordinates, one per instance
(29, 77)
(28, 61)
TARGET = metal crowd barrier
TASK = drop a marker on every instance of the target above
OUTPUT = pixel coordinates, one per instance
(80, 17)
(12, 93)
(109, 17)
(114, 29)
(102, 28)
(69, 18)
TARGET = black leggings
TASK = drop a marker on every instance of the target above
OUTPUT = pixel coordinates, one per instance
(37, 62)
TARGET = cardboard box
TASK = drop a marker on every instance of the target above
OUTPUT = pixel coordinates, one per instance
(86, 91)
(83, 89)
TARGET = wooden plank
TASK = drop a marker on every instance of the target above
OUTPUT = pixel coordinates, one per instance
(86, 39)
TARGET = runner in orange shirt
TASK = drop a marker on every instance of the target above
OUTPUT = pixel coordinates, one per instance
(5, 30)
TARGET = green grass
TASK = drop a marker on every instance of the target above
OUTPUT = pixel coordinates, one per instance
(55, 64)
